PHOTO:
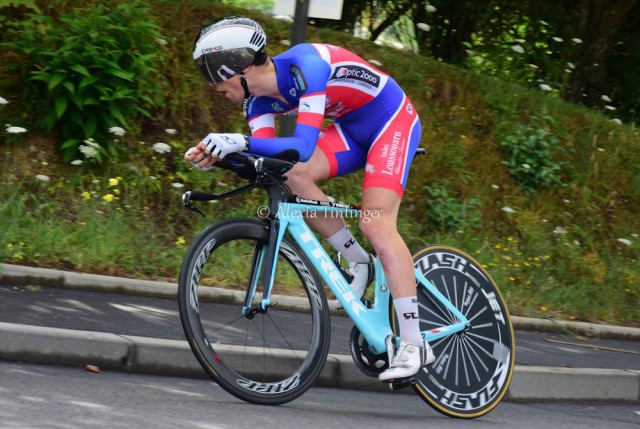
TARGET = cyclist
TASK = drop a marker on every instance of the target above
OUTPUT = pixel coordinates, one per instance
(375, 127)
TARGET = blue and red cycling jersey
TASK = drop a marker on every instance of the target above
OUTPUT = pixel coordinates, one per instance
(375, 125)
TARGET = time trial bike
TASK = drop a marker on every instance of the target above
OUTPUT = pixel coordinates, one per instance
(242, 325)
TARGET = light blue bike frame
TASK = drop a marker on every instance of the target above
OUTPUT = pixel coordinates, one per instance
(373, 322)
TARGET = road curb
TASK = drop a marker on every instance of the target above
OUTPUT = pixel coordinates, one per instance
(173, 357)
(22, 275)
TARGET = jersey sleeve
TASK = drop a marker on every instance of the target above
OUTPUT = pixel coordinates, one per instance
(310, 76)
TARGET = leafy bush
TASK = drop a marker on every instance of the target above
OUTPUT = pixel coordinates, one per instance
(531, 157)
(93, 68)
(448, 213)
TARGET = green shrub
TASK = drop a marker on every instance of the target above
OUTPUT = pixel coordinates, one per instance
(532, 156)
(448, 213)
(93, 69)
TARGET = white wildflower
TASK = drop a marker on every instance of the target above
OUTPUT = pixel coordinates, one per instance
(161, 147)
(533, 66)
(605, 98)
(576, 40)
(177, 185)
(560, 230)
(88, 151)
(285, 42)
(3, 100)
(558, 39)
(600, 149)
(42, 177)
(76, 162)
(16, 130)
(616, 121)
(568, 71)
(634, 235)
(171, 131)
(609, 107)
(423, 26)
(517, 48)
(283, 18)
(624, 241)
(431, 8)
(495, 186)
(544, 22)
(91, 143)
(162, 42)
(545, 87)
(526, 166)
(118, 131)
(374, 62)
(571, 65)
(508, 210)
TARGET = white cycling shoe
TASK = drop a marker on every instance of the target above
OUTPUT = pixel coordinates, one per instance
(407, 361)
(363, 274)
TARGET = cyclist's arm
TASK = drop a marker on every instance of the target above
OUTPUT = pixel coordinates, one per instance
(311, 75)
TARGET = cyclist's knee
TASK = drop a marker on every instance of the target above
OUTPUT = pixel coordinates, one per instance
(376, 227)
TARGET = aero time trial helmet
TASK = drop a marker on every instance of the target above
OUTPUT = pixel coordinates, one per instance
(227, 46)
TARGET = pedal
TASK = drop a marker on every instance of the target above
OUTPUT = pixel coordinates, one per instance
(402, 383)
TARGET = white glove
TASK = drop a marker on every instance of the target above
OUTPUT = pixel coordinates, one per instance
(221, 145)
(195, 164)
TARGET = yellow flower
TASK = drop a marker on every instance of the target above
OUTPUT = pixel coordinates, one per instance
(543, 308)
(113, 182)
(513, 279)
(180, 241)
(108, 198)
(86, 195)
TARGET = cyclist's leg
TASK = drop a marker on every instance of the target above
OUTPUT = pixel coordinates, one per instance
(336, 155)
(386, 174)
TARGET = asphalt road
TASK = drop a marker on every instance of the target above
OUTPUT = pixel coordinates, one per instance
(159, 318)
(50, 397)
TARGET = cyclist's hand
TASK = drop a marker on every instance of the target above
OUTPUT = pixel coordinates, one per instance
(199, 158)
(220, 145)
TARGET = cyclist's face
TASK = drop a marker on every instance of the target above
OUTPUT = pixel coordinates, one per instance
(231, 89)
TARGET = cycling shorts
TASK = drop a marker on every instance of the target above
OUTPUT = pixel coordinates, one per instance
(385, 150)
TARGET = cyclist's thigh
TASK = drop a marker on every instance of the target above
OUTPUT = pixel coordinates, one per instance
(343, 153)
(316, 168)
(393, 149)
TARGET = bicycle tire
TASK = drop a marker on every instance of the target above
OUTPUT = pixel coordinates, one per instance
(268, 359)
(473, 369)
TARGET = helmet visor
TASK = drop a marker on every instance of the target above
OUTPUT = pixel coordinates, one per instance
(216, 67)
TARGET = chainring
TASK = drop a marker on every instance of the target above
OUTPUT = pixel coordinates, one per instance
(369, 363)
